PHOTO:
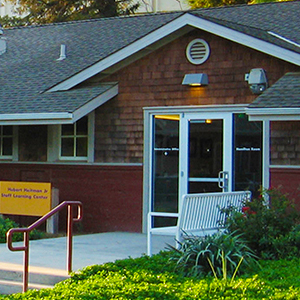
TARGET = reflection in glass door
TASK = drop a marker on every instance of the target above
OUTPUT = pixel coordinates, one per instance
(247, 154)
(165, 166)
(205, 155)
(200, 152)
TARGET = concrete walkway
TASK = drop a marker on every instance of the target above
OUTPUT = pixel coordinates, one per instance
(87, 250)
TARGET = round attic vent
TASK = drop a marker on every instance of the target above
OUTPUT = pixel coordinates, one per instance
(197, 51)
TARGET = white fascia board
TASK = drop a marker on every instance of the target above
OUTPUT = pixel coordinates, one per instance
(273, 114)
(36, 118)
(95, 103)
(235, 108)
(182, 21)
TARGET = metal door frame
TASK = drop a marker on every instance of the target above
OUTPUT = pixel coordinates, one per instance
(227, 118)
(149, 113)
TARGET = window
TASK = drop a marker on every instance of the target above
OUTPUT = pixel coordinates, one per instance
(32, 143)
(6, 142)
(74, 140)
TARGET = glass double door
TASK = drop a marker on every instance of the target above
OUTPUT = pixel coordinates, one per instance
(203, 152)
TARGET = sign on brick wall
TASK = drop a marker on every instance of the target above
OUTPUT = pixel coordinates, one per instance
(25, 198)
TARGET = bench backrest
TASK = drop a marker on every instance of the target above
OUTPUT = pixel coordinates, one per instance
(203, 211)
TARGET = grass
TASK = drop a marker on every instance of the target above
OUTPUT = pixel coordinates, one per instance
(154, 278)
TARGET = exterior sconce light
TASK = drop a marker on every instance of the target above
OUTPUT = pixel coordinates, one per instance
(257, 80)
(200, 79)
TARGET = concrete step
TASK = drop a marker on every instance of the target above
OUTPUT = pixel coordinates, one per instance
(11, 278)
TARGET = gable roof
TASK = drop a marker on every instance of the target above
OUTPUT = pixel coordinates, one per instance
(31, 73)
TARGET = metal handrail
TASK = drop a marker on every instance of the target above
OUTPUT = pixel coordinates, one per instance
(26, 231)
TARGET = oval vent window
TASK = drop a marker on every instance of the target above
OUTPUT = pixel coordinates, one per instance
(197, 51)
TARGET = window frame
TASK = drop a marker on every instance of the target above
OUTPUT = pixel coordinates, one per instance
(2, 136)
(90, 141)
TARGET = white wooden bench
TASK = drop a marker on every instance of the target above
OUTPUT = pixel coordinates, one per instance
(200, 215)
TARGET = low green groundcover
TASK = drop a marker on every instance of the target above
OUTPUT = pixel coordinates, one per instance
(154, 278)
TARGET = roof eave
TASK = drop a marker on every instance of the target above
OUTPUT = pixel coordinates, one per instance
(273, 114)
(55, 118)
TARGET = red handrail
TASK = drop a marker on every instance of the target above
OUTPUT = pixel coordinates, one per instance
(27, 230)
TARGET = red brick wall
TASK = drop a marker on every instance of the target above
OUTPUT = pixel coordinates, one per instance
(111, 196)
(155, 80)
(287, 180)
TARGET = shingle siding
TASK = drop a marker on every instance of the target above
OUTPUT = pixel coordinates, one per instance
(156, 80)
(285, 143)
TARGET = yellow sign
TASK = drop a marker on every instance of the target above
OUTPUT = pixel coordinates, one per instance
(25, 198)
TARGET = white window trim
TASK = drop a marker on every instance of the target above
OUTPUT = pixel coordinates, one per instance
(54, 143)
(9, 157)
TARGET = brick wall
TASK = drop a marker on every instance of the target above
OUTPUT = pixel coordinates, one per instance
(155, 80)
(285, 143)
(111, 195)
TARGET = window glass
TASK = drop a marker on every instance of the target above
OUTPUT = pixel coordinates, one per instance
(165, 164)
(33, 142)
(74, 140)
(247, 154)
(67, 129)
(7, 146)
(81, 146)
(82, 127)
(6, 141)
(7, 130)
(67, 147)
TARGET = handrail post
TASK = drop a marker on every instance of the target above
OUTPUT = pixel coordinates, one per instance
(70, 238)
(27, 230)
(26, 261)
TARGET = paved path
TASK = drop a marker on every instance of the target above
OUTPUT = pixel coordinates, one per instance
(87, 249)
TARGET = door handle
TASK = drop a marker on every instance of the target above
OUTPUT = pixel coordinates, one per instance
(223, 180)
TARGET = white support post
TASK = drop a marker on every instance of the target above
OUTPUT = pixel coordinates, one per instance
(52, 222)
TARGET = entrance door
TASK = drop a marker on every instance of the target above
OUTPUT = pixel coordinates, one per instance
(201, 152)
(206, 153)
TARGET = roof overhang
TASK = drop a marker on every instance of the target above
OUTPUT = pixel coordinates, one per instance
(55, 118)
(273, 114)
(185, 22)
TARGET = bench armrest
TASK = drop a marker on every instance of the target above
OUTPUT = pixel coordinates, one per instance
(152, 214)
(163, 214)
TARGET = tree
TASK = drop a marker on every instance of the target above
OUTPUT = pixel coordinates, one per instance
(215, 3)
(51, 11)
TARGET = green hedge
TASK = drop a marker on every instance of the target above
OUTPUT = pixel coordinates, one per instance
(153, 278)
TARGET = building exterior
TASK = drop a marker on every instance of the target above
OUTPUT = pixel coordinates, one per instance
(6, 9)
(108, 112)
(150, 6)
(146, 6)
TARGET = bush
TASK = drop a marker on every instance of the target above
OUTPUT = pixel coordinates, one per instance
(220, 255)
(6, 224)
(272, 230)
(141, 279)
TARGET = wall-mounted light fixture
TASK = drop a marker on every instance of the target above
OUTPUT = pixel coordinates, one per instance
(257, 80)
(199, 79)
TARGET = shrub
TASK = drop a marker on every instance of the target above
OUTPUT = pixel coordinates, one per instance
(270, 230)
(219, 254)
(6, 224)
(141, 279)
